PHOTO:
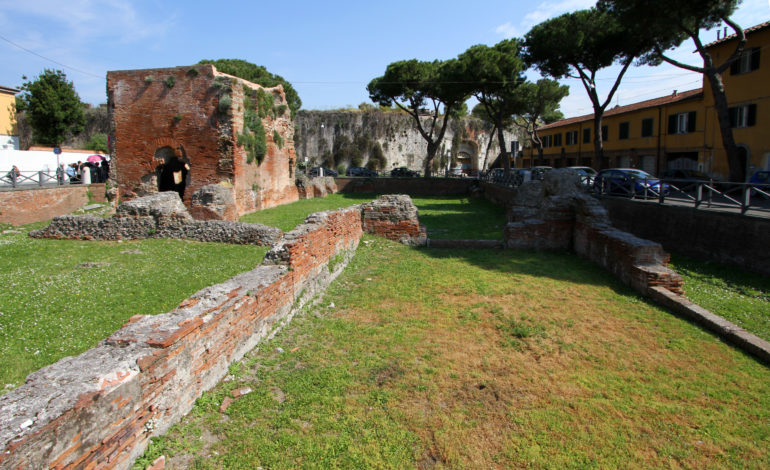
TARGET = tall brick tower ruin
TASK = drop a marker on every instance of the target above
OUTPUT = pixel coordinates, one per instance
(201, 132)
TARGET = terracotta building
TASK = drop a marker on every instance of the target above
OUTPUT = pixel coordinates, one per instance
(184, 128)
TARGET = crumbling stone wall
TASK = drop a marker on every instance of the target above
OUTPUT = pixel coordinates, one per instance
(24, 206)
(195, 114)
(100, 409)
(556, 214)
(160, 215)
(395, 217)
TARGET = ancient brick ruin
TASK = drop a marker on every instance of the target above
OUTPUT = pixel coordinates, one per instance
(556, 214)
(185, 128)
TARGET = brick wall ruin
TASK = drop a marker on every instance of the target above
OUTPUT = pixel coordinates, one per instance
(99, 409)
(187, 120)
(556, 214)
(24, 206)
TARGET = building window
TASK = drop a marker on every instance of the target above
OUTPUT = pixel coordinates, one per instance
(623, 134)
(605, 133)
(571, 137)
(586, 136)
(747, 62)
(681, 123)
(743, 116)
(547, 141)
(557, 140)
(647, 127)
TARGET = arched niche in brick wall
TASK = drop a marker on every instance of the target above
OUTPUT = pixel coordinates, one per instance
(172, 169)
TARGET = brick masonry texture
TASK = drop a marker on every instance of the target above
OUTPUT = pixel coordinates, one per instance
(99, 409)
(157, 216)
(394, 216)
(556, 215)
(24, 206)
(731, 239)
(431, 187)
(176, 111)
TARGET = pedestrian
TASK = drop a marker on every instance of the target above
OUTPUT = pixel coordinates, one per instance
(72, 173)
(60, 174)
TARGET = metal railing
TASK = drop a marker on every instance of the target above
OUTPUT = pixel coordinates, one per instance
(29, 178)
(739, 197)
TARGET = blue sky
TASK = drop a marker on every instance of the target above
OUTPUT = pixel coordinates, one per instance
(328, 50)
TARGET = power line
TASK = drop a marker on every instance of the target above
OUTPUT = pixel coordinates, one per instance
(46, 58)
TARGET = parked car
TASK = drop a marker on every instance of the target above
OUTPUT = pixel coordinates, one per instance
(456, 172)
(628, 182)
(403, 172)
(316, 171)
(761, 179)
(586, 173)
(361, 171)
(538, 172)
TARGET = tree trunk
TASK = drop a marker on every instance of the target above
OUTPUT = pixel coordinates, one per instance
(598, 143)
(432, 149)
(736, 164)
(501, 142)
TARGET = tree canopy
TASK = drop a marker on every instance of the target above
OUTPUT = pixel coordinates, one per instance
(493, 75)
(425, 90)
(53, 107)
(259, 75)
(578, 45)
(540, 105)
(684, 19)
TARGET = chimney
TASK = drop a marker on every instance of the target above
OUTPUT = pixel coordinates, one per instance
(674, 94)
(725, 34)
(719, 32)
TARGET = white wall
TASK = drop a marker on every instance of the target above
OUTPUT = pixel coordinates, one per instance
(37, 160)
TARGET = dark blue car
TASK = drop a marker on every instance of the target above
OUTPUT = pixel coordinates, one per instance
(628, 182)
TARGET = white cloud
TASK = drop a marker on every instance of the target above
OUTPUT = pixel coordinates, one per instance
(507, 30)
(542, 12)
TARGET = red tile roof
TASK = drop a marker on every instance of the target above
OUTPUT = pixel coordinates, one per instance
(746, 31)
(663, 100)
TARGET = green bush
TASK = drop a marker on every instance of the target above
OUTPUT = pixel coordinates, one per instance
(277, 139)
(97, 143)
(170, 82)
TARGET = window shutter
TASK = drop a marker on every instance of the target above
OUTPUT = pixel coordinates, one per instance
(672, 124)
(755, 58)
(752, 118)
(733, 116)
(735, 66)
(586, 136)
(691, 121)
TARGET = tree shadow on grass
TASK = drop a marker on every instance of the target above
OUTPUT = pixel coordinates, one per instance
(556, 265)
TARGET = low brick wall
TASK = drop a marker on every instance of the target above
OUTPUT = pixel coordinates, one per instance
(393, 216)
(726, 238)
(638, 263)
(431, 186)
(25, 206)
(101, 408)
(556, 215)
(86, 227)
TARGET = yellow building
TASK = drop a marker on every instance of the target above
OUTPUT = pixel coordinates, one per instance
(8, 135)
(747, 85)
(678, 131)
(649, 135)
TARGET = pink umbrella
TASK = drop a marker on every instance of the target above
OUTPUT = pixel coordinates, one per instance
(95, 158)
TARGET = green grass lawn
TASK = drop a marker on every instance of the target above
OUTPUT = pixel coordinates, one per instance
(445, 217)
(422, 358)
(60, 297)
(739, 296)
